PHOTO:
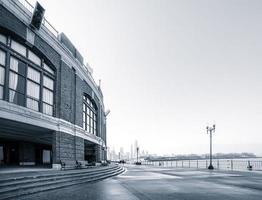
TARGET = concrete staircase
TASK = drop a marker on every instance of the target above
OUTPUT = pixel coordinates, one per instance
(16, 186)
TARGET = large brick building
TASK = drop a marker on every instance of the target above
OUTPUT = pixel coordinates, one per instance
(50, 107)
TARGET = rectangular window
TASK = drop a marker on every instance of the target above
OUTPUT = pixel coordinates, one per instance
(47, 109)
(1, 92)
(88, 111)
(3, 39)
(16, 98)
(33, 89)
(2, 82)
(49, 83)
(48, 96)
(2, 58)
(18, 48)
(33, 104)
(2, 75)
(48, 69)
(34, 58)
(17, 66)
(33, 74)
(84, 120)
(17, 82)
(88, 120)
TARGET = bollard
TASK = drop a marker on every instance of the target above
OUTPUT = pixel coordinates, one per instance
(197, 163)
(249, 166)
(231, 164)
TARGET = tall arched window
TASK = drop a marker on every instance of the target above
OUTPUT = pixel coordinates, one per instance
(89, 115)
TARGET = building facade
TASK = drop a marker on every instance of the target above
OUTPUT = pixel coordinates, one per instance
(50, 107)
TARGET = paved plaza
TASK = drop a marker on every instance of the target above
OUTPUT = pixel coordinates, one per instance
(144, 182)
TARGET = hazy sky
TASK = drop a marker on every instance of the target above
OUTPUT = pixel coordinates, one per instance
(170, 67)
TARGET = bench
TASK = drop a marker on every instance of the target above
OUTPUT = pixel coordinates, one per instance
(81, 164)
(104, 163)
(68, 164)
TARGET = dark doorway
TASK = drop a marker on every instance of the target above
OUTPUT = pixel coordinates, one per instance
(11, 152)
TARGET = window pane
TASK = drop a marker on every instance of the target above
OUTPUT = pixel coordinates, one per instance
(2, 39)
(2, 58)
(84, 120)
(84, 117)
(2, 75)
(17, 82)
(88, 110)
(49, 83)
(34, 58)
(88, 120)
(16, 98)
(1, 92)
(33, 89)
(48, 69)
(30, 103)
(48, 96)
(14, 64)
(47, 109)
(33, 74)
(18, 48)
(17, 66)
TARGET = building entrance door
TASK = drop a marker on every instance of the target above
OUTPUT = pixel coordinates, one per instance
(12, 154)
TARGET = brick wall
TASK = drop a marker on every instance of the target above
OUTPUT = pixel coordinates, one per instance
(67, 147)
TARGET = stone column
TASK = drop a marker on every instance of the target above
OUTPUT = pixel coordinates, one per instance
(66, 147)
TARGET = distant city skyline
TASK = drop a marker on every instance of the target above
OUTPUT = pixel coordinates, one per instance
(171, 67)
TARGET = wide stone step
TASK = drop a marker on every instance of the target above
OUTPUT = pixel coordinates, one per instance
(43, 178)
(45, 186)
(41, 181)
(55, 173)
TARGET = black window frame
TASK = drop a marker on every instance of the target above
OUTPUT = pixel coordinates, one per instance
(28, 63)
(90, 123)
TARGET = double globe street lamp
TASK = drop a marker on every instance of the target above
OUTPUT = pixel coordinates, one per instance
(210, 130)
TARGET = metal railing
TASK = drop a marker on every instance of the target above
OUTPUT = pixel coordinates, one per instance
(45, 22)
(224, 164)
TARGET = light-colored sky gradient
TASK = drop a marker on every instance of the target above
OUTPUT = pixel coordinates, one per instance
(169, 67)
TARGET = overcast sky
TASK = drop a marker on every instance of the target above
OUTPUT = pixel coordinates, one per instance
(170, 67)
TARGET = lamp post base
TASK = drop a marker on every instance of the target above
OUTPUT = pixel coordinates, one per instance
(210, 167)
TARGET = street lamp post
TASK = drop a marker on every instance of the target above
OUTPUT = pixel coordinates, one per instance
(210, 130)
(137, 149)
